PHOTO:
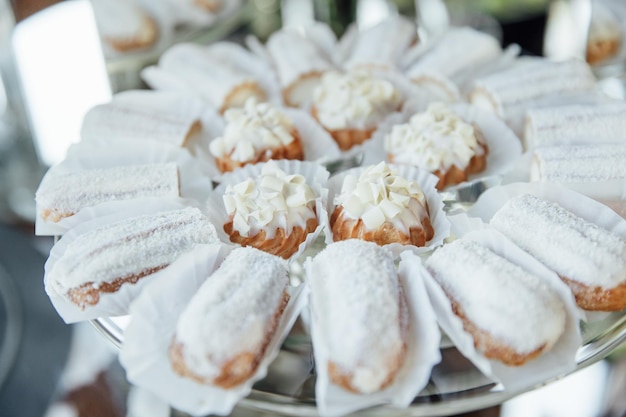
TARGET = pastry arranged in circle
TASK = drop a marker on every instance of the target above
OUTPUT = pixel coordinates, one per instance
(223, 333)
(255, 133)
(381, 207)
(63, 194)
(439, 141)
(360, 310)
(273, 212)
(103, 259)
(351, 105)
(588, 258)
(512, 315)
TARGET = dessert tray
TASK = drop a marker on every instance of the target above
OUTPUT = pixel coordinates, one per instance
(354, 110)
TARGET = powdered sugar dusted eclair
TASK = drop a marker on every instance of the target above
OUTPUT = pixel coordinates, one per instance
(512, 315)
(588, 258)
(299, 63)
(204, 71)
(124, 26)
(62, 194)
(381, 207)
(575, 124)
(273, 212)
(359, 307)
(351, 105)
(160, 116)
(255, 133)
(439, 141)
(223, 333)
(105, 258)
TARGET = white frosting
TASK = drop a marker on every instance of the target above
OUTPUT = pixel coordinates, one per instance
(354, 100)
(499, 297)
(379, 195)
(251, 130)
(271, 201)
(571, 164)
(68, 192)
(119, 19)
(233, 310)
(129, 247)
(571, 246)
(433, 140)
(355, 297)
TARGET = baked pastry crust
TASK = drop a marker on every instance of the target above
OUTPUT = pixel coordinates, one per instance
(293, 150)
(145, 37)
(347, 138)
(344, 227)
(596, 298)
(282, 244)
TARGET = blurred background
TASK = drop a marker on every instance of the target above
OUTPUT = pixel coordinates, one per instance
(56, 62)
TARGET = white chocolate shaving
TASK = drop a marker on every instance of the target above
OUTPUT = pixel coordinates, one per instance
(251, 130)
(569, 245)
(436, 139)
(354, 100)
(232, 312)
(355, 295)
(379, 195)
(271, 201)
(499, 297)
(66, 193)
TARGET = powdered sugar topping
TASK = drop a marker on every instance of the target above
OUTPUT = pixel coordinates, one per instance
(379, 195)
(251, 130)
(571, 246)
(273, 200)
(499, 297)
(433, 140)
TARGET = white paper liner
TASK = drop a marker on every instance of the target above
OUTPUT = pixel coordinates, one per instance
(194, 176)
(317, 144)
(421, 355)
(560, 360)
(591, 210)
(316, 177)
(427, 182)
(504, 146)
(110, 304)
(155, 313)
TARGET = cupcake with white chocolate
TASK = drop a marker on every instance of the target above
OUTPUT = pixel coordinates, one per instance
(274, 211)
(255, 133)
(351, 105)
(382, 207)
(441, 142)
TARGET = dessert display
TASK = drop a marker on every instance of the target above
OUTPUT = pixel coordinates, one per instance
(62, 194)
(575, 124)
(403, 165)
(220, 75)
(360, 307)
(351, 105)
(535, 316)
(274, 211)
(382, 207)
(223, 332)
(166, 117)
(256, 133)
(591, 260)
(439, 141)
(102, 260)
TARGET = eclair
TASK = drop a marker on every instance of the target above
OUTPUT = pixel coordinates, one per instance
(359, 309)
(512, 315)
(223, 333)
(104, 259)
(588, 258)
